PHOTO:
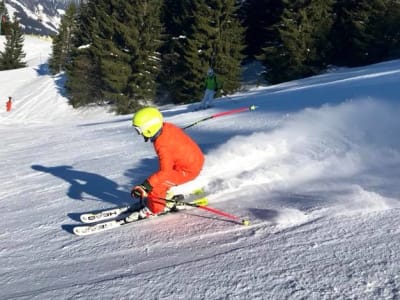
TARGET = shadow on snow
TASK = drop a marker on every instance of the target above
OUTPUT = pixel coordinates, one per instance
(96, 186)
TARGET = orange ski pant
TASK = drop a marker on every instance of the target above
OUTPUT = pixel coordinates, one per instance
(166, 180)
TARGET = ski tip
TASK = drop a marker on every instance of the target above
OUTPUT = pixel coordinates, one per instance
(76, 230)
(245, 222)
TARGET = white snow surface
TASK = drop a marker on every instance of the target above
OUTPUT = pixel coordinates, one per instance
(315, 168)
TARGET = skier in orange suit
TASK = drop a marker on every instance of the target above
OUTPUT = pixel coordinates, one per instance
(180, 159)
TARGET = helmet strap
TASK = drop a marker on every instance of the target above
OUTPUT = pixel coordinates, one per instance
(154, 137)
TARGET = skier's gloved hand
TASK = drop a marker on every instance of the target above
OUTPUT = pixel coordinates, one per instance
(138, 192)
(141, 191)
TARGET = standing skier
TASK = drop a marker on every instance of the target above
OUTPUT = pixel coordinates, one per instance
(180, 161)
(212, 85)
(8, 104)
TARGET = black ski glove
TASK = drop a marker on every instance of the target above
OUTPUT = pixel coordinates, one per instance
(141, 191)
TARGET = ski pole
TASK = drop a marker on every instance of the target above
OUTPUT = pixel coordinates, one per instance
(229, 112)
(179, 200)
(202, 204)
(224, 214)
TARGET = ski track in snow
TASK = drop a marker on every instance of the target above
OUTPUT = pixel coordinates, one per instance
(314, 168)
(351, 271)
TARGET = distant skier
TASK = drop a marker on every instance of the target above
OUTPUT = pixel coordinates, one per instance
(180, 161)
(9, 104)
(212, 85)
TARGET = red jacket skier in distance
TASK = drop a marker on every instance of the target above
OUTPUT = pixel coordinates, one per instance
(180, 158)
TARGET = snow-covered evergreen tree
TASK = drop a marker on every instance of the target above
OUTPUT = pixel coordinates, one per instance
(13, 54)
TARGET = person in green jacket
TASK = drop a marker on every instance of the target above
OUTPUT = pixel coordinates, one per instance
(212, 85)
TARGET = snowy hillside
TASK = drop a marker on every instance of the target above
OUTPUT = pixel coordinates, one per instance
(40, 17)
(315, 168)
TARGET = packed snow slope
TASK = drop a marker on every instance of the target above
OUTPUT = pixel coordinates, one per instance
(315, 168)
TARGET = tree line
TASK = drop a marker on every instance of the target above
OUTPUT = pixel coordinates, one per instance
(129, 53)
(302, 38)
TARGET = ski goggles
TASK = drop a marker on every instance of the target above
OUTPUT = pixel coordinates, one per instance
(138, 130)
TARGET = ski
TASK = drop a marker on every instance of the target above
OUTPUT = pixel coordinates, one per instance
(103, 215)
(112, 213)
(82, 230)
(99, 227)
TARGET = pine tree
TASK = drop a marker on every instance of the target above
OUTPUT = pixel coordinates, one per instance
(351, 31)
(4, 18)
(85, 22)
(386, 44)
(13, 53)
(198, 54)
(229, 45)
(177, 20)
(110, 48)
(258, 17)
(303, 45)
(146, 64)
(121, 47)
(62, 42)
(83, 83)
(383, 32)
(214, 39)
(96, 73)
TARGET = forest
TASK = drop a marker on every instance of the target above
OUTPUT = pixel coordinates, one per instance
(131, 53)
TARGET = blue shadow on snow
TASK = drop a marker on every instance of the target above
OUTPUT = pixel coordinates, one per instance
(96, 186)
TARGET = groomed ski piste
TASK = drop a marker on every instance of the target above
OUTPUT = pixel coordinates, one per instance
(315, 168)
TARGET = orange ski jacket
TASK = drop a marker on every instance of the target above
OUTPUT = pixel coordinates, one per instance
(8, 105)
(180, 159)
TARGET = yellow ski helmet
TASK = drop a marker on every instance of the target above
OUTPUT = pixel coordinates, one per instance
(147, 121)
